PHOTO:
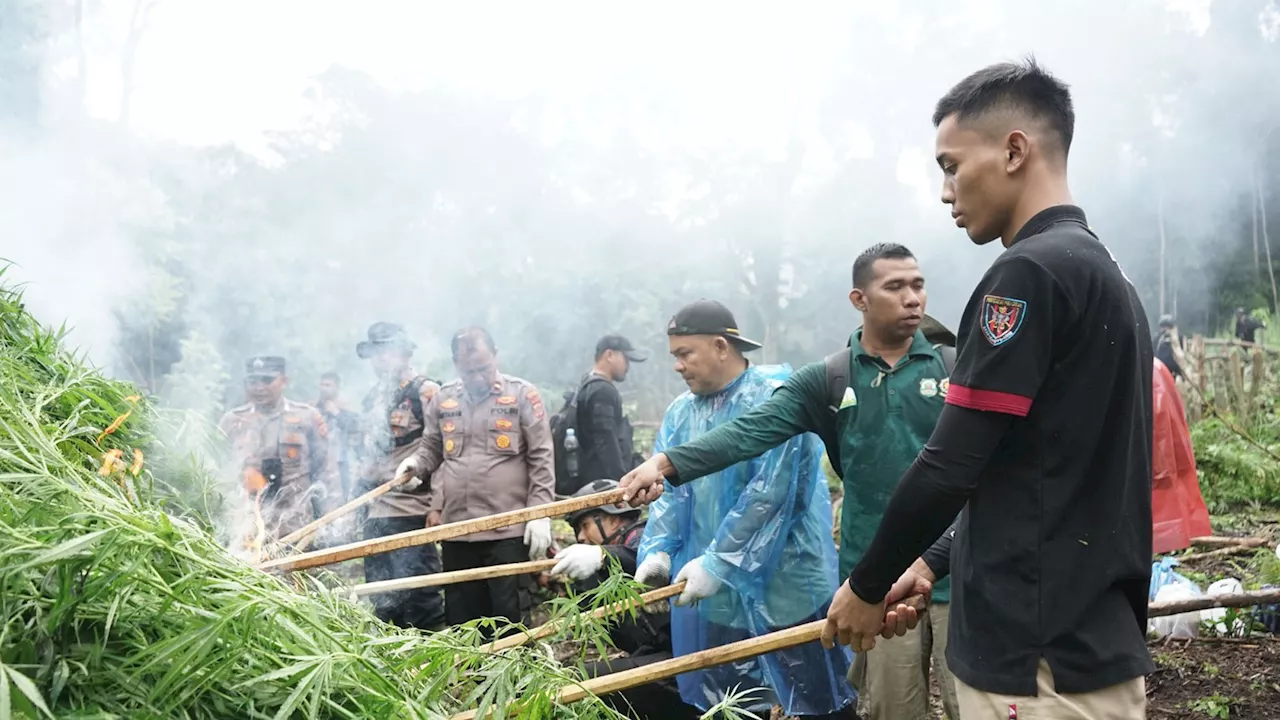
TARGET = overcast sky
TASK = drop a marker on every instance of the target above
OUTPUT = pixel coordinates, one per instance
(216, 71)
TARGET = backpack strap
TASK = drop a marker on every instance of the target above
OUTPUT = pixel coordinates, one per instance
(411, 391)
(948, 355)
(837, 364)
(570, 411)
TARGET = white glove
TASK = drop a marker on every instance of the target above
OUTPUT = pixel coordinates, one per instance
(699, 583)
(579, 561)
(655, 570)
(410, 465)
(537, 535)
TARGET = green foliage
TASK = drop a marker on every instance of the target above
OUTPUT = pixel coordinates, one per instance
(1233, 472)
(112, 607)
(1214, 706)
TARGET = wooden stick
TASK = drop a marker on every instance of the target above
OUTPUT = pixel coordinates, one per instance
(1205, 602)
(554, 627)
(1221, 541)
(306, 531)
(1220, 552)
(413, 538)
(613, 682)
(1239, 343)
(452, 577)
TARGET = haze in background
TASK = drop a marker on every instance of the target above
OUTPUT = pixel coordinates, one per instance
(190, 182)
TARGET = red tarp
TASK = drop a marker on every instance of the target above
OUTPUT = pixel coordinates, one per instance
(1178, 512)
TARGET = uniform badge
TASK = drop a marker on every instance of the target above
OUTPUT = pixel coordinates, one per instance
(536, 401)
(506, 400)
(448, 427)
(849, 400)
(448, 445)
(502, 424)
(943, 385)
(448, 404)
(503, 442)
(928, 387)
(1001, 318)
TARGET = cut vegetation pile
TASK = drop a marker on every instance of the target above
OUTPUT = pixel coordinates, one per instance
(112, 607)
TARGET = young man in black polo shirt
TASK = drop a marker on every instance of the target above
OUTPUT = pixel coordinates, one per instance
(1046, 435)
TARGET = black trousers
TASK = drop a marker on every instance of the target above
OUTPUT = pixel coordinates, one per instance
(421, 608)
(658, 700)
(506, 597)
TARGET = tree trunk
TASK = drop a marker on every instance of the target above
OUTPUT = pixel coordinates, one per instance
(128, 58)
(1266, 239)
(1160, 220)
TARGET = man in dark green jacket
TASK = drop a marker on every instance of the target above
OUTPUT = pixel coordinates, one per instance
(895, 383)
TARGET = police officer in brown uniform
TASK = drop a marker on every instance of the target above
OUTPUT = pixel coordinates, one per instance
(393, 423)
(281, 448)
(487, 446)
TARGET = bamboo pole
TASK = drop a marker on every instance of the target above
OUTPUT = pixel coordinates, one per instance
(1198, 345)
(306, 531)
(1206, 602)
(414, 538)
(452, 577)
(1233, 342)
(613, 682)
(553, 627)
(1220, 552)
(1219, 541)
(812, 631)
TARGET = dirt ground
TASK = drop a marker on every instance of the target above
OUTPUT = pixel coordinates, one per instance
(1216, 678)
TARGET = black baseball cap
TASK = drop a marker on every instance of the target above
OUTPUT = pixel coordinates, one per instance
(264, 366)
(384, 334)
(708, 317)
(617, 343)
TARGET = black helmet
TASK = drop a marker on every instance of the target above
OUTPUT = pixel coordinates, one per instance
(591, 488)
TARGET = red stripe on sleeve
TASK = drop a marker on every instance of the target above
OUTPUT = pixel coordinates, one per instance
(990, 400)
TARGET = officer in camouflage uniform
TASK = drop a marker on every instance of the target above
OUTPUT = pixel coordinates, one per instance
(281, 448)
(897, 382)
(393, 414)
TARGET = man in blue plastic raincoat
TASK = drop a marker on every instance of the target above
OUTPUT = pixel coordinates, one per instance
(752, 542)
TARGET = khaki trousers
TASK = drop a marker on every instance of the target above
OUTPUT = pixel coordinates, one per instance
(1125, 701)
(893, 679)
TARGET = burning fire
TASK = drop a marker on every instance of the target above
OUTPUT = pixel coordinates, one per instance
(255, 544)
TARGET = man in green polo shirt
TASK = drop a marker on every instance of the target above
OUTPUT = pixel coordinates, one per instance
(895, 382)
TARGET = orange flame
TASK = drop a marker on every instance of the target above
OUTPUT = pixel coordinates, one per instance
(136, 467)
(255, 545)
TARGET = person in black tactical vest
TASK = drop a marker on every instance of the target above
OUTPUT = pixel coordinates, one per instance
(594, 413)
(614, 532)
(392, 428)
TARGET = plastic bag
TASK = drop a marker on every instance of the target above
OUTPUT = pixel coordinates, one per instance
(1226, 586)
(1182, 625)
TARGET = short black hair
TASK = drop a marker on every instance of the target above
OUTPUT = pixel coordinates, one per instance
(863, 266)
(468, 338)
(1023, 86)
(331, 375)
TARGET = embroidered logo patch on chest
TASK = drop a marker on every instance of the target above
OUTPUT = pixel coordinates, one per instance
(1001, 318)
(928, 387)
